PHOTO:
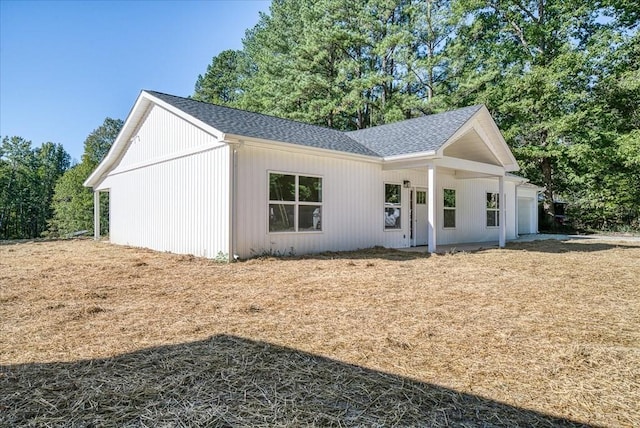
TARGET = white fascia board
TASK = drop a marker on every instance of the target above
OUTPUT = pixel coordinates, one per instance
(412, 160)
(410, 156)
(474, 123)
(516, 178)
(466, 127)
(513, 164)
(138, 111)
(467, 165)
(297, 148)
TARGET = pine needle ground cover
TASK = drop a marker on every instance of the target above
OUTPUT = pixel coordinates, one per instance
(537, 334)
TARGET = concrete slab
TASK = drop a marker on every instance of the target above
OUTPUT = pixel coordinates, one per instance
(475, 246)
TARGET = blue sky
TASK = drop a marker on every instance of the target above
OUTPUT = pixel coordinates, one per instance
(66, 66)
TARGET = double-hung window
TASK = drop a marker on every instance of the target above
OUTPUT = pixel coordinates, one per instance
(295, 203)
(392, 206)
(493, 209)
(449, 208)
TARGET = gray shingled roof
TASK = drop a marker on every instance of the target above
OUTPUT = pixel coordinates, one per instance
(249, 124)
(421, 134)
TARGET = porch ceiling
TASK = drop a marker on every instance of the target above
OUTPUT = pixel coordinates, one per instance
(470, 146)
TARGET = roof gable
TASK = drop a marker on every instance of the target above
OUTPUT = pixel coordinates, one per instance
(470, 146)
(419, 135)
(248, 124)
(426, 136)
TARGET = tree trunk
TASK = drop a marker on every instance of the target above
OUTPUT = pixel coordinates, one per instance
(547, 177)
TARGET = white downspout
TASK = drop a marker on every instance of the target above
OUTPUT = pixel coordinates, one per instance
(96, 214)
(517, 210)
(432, 208)
(501, 209)
(233, 188)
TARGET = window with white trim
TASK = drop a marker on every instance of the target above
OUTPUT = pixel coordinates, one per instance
(392, 206)
(493, 209)
(449, 208)
(295, 203)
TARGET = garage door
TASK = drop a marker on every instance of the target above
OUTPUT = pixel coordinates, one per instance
(525, 216)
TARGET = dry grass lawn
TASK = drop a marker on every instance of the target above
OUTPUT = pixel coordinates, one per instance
(538, 334)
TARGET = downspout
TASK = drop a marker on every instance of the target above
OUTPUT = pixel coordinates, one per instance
(502, 230)
(233, 188)
(517, 210)
(96, 214)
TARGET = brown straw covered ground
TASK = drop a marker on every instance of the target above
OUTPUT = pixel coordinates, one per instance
(538, 334)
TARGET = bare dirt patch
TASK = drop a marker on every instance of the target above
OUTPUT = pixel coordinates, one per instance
(543, 333)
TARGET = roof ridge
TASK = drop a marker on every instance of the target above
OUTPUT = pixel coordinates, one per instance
(424, 116)
(288, 130)
(420, 134)
(248, 111)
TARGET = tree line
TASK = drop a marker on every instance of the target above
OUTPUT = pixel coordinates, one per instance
(41, 192)
(561, 78)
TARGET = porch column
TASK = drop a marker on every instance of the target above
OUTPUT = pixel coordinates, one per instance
(431, 208)
(96, 214)
(501, 212)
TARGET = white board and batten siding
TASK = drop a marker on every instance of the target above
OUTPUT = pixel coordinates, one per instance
(166, 194)
(353, 204)
(471, 210)
(350, 190)
(527, 209)
(471, 222)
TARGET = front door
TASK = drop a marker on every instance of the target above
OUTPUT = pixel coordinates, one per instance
(420, 217)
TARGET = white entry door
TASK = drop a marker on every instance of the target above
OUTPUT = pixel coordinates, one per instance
(420, 218)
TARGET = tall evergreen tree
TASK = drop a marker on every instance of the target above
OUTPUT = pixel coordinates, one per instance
(532, 62)
(27, 178)
(224, 79)
(72, 202)
(559, 77)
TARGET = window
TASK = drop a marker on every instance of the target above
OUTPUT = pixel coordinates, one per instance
(295, 203)
(421, 197)
(392, 206)
(493, 209)
(449, 205)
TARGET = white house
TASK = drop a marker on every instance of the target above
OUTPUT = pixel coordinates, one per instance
(196, 178)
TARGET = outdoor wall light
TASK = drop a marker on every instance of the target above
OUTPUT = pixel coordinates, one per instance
(406, 184)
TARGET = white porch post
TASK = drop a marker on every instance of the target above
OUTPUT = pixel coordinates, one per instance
(431, 208)
(96, 214)
(501, 212)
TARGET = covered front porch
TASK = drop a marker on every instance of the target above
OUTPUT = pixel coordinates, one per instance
(451, 201)
(470, 195)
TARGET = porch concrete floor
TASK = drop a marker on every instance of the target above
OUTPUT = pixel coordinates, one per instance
(476, 246)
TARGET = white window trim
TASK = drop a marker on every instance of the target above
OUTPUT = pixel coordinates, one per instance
(494, 210)
(454, 209)
(399, 206)
(295, 203)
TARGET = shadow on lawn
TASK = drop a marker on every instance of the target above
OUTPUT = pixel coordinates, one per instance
(361, 254)
(579, 245)
(230, 381)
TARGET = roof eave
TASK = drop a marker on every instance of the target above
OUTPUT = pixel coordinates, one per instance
(138, 110)
(244, 140)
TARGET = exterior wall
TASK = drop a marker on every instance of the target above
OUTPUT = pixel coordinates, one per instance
(470, 206)
(353, 204)
(178, 204)
(162, 134)
(471, 217)
(527, 210)
(349, 191)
